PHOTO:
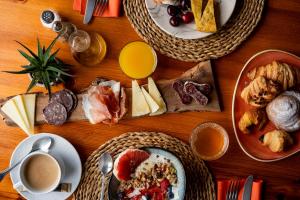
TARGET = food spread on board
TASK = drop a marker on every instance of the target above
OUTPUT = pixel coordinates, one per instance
(271, 93)
(145, 175)
(108, 102)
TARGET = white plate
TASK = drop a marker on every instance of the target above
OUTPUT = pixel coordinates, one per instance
(61, 150)
(161, 18)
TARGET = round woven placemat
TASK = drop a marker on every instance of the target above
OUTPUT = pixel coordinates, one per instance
(199, 183)
(244, 19)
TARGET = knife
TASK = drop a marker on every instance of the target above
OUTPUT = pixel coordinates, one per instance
(248, 188)
(89, 10)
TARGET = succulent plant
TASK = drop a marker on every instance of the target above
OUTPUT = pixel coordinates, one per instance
(43, 67)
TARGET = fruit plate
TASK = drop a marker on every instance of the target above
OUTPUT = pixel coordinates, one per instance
(161, 18)
(181, 184)
(250, 143)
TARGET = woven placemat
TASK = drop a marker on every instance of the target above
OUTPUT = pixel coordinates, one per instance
(246, 16)
(199, 181)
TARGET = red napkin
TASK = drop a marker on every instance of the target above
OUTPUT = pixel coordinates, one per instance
(223, 184)
(112, 10)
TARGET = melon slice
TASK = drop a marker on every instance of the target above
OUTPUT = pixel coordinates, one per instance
(127, 162)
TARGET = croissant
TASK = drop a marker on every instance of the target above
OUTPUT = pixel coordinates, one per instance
(251, 119)
(277, 140)
(276, 71)
(260, 92)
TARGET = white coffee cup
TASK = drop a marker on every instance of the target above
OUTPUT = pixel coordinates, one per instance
(23, 185)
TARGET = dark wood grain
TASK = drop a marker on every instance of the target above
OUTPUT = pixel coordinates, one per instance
(279, 29)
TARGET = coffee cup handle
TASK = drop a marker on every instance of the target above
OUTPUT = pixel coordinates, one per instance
(19, 187)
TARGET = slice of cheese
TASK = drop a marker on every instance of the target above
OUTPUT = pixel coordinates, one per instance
(156, 96)
(29, 102)
(140, 106)
(208, 21)
(151, 103)
(197, 11)
(10, 108)
(21, 107)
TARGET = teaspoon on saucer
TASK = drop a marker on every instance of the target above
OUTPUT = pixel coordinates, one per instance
(42, 144)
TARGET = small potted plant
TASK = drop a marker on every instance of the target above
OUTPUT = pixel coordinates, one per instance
(44, 69)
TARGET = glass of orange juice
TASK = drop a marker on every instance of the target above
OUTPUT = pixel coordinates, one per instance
(209, 141)
(138, 60)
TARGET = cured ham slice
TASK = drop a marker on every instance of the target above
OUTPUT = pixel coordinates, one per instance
(104, 102)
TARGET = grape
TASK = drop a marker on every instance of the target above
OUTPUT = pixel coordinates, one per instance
(175, 21)
(172, 10)
(184, 4)
(187, 17)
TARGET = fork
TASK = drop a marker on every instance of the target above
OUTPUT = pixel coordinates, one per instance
(100, 6)
(233, 190)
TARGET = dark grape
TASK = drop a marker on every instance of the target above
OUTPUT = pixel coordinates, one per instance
(187, 17)
(175, 21)
(184, 4)
(173, 10)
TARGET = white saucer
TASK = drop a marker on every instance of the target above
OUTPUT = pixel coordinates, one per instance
(61, 150)
(161, 18)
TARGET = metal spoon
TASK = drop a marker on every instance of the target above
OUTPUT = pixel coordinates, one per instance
(42, 144)
(105, 165)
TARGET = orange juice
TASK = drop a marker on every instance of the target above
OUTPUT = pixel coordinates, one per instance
(209, 141)
(138, 60)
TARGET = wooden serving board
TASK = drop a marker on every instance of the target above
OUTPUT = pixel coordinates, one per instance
(201, 73)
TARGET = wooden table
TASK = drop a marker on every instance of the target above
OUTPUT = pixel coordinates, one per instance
(279, 28)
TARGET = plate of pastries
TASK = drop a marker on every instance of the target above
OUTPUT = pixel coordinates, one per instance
(266, 106)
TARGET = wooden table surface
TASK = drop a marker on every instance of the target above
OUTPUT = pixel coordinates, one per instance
(279, 28)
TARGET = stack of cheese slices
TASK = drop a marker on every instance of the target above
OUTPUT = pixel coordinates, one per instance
(144, 102)
(21, 110)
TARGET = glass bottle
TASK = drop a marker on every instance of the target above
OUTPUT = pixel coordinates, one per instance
(87, 49)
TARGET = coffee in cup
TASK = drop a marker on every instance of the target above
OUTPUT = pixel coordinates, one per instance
(39, 173)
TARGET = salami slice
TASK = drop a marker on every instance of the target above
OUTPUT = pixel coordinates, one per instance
(75, 99)
(178, 87)
(191, 89)
(63, 97)
(55, 113)
(202, 87)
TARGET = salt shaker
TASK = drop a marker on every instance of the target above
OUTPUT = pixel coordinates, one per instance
(48, 17)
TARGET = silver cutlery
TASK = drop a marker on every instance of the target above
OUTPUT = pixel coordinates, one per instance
(42, 144)
(233, 190)
(105, 166)
(89, 10)
(248, 188)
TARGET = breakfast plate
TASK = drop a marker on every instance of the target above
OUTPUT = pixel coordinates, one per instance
(61, 150)
(250, 143)
(156, 156)
(161, 18)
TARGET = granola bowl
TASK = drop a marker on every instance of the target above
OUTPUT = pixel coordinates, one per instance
(160, 176)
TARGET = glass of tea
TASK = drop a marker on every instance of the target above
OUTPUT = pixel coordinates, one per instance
(209, 141)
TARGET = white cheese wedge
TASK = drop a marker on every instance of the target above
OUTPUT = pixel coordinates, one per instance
(151, 103)
(140, 106)
(156, 96)
(10, 108)
(29, 102)
(19, 100)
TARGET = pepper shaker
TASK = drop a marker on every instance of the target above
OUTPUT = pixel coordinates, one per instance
(48, 17)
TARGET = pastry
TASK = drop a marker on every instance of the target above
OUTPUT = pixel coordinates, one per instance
(277, 140)
(260, 92)
(251, 119)
(284, 110)
(276, 71)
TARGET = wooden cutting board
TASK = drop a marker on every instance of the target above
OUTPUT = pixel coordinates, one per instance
(201, 73)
